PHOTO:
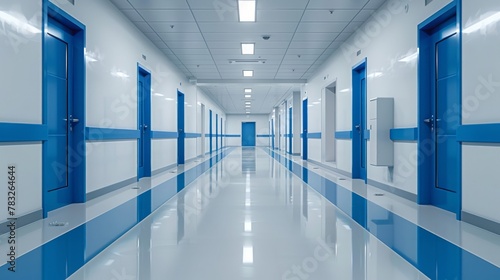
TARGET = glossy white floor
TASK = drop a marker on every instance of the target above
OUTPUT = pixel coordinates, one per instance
(248, 218)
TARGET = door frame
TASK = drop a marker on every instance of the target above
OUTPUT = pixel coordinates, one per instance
(216, 132)
(290, 130)
(305, 127)
(203, 129)
(181, 129)
(221, 135)
(78, 88)
(359, 71)
(144, 103)
(210, 130)
(425, 169)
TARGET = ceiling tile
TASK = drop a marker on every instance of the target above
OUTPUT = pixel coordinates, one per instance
(187, 45)
(167, 15)
(279, 15)
(166, 27)
(181, 36)
(374, 4)
(158, 4)
(309, 44)
(315, 36)
(337, 4)
(305, 51)
(329, 15)
(279, 4)
(191, 51)
(321, 26)
(364, 15)
(215, 15)
(247, 37)
(257, 27)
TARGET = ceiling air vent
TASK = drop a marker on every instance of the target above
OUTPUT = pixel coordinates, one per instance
(247, 61)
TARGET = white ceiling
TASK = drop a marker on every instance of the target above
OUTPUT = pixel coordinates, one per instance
(206, 34)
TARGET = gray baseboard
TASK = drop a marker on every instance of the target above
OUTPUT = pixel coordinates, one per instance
(481, 222)
(22, 221)
(404, 194)
(342, 172)
(110, 188)
(163, 169)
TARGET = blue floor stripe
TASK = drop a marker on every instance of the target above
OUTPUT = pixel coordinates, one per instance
(63, 256)
(432, 255)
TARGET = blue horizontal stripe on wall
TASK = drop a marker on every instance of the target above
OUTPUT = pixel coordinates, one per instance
(18, 132)
(343, 135)
(404, 134)
(264, 135)
(314, 135)
(192, 135)
(479, 133)
(233, 135)
(164, 135)
(98, 134)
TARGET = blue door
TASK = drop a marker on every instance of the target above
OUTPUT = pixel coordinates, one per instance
(60, 121)
(210, 130)
(180, 128)
(221, 133)
(304, 129)
(359, 137)
(216, 132)
(439, 175)
(272, 133)
(144, 123)
(248, 134)
(290, 131)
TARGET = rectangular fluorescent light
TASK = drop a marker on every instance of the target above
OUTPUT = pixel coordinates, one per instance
(247, 48)
(248, 102)
(248, 112)
(248, 106)
(248, 96)
(247, 73)
(482, 23)
(248, 254)
(247, 10)
(248, 225)
(248, 90)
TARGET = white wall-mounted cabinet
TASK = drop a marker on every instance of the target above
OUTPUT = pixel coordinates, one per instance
(381, 122)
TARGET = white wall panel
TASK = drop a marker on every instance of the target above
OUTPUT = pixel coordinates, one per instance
(21, 56)
(191, 149)
(110, 162)
(28, 161)
(481, 72)
(164, 153)
(480, 189)
(387, 77)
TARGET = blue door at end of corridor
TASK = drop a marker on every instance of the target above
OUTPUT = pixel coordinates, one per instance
(304, 129)
(216, 132)
(439, 175)
(359, 137)
(64, 166)
(180, 129)
(144, 122)
(210, 130)
(248, 134)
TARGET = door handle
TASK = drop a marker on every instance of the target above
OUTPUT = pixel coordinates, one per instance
(428, 120)
(358, 127)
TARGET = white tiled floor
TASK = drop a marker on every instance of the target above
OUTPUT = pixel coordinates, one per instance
(248, 218)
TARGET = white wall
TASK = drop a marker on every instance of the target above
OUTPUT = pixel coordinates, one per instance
(481, 100)
(111, 102)
(233, 126)
(384, 39)
(21, 81)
